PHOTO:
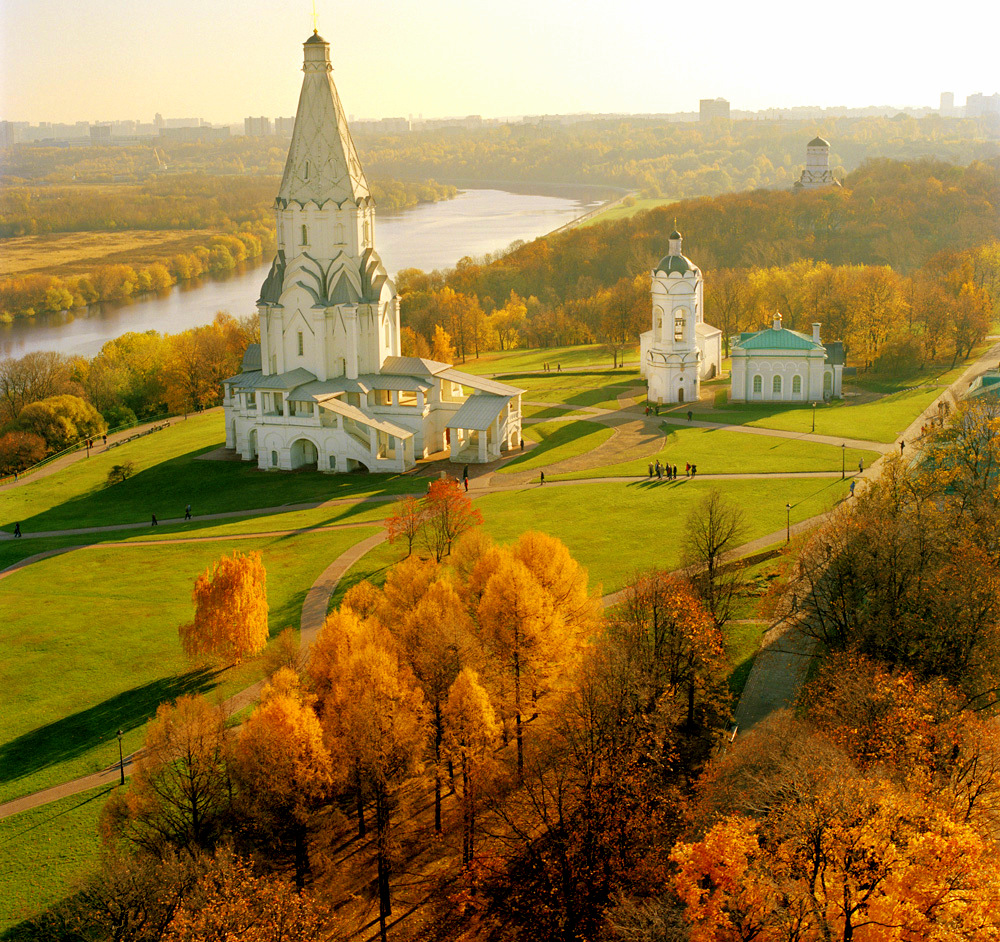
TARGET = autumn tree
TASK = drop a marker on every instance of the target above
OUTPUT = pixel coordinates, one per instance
(230, 901)
(283, 770)
(20, 450)
(447, 514)
(61, 420)
(471, 731)
(406, 521)
(712, 531)
(179, 792)
(383, 725)
(27, 379)
(675, 645)
(230, 618)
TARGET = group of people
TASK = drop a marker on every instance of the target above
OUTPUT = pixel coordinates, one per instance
(670, 471)
(547, 367)
(187, 516)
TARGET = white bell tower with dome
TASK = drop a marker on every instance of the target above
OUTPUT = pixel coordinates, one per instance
(681, 349)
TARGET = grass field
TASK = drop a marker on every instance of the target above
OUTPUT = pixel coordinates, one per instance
(590, 355)
(621, 211)
(557, 441)
(168, 476)
(92, 647)
(78, 253)
(43, 851)
(879, 421)
(717, 451)
(599, 389)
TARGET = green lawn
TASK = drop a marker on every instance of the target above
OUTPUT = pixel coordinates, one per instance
(534, 360)
(558, 441)
(581, 389)
(598, 521)
(717, 451)
(879, 421)
(168, 476)
(548, 412)
(621, 211)
(43, 851)
(742, 642)
(91, 646)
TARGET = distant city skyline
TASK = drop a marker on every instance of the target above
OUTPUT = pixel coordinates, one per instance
(114, 60)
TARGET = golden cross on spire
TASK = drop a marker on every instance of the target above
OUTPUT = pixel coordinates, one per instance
(315, 20)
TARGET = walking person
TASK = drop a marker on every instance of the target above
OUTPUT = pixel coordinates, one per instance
(861, 465)
(105, 441)
(650, 468)
(15, 477)
(659, 471)
(853, 485)
(17, 530)
(687, 469)
(542, 477)
(465, 482)
(675, 472)
(187, 512)
(154, 523)
(694, 470)
(902, 445)
(522, 444)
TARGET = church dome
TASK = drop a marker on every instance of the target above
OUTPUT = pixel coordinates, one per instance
(674, 235)
(670, 264)
(316, 38)
(818, 142)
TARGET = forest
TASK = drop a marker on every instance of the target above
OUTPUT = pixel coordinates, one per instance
(903, 260)
(656, 157)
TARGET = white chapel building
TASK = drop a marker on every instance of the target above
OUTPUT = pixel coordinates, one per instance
(681, 349)
(782, 365)
(817, 172)
(327, 387)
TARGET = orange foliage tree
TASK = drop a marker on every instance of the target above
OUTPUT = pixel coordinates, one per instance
(448, 513)
(230, 617)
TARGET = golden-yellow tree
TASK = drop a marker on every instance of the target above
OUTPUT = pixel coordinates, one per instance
(283, 769)
(230, 618)
(471, 733)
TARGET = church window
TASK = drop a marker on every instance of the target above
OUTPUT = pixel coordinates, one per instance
(305, 236)
(679, 326)
(333, 462)
(274, 459)
(796, 385)
(776, 386)
(307, 169)
(758, 384)
(251, 400)
(339, 233)
(300, 343)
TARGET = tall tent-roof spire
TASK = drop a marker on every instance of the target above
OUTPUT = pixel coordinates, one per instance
(322, 161)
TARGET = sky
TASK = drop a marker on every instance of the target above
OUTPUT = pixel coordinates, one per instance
(96, 60)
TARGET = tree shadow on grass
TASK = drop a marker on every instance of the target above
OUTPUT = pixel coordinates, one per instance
(75, 735)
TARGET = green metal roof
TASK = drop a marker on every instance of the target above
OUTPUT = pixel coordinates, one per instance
(818, 142)
(780, 339)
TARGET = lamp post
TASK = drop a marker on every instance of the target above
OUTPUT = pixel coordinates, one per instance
(788, 523)
(814, 417)
(121, 758)
(843, 459)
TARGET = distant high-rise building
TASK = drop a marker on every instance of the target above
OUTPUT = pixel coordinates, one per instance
(257, 127)
(709, 108)
(817, 172)
(158, 120)
(10, 134)
(100, 133)
(284, 125)
(979, 105)
(947, 108)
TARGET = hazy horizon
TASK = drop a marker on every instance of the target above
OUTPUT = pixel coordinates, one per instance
(117, 61)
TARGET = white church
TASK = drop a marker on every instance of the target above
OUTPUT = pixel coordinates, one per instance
(327, 387)
(681, 349)
(817, 172)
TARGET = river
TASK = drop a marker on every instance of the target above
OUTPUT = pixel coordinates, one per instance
(431, 235)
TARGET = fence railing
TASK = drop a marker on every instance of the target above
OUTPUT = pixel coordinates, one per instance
(81, 443)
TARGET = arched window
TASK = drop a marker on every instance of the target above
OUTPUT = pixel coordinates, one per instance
(339, 233)
(679, 324)
(387, 332)
(368, 231)
(758, 384)
(305, 236)
(796, 385)
(274, 459)
(776, 386)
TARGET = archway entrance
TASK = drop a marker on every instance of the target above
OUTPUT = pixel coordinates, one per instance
(303, 455)
(252, 443)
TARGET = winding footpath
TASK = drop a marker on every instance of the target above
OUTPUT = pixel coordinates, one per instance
(778, 670)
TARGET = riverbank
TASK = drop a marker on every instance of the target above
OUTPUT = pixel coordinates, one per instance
(429, 236)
